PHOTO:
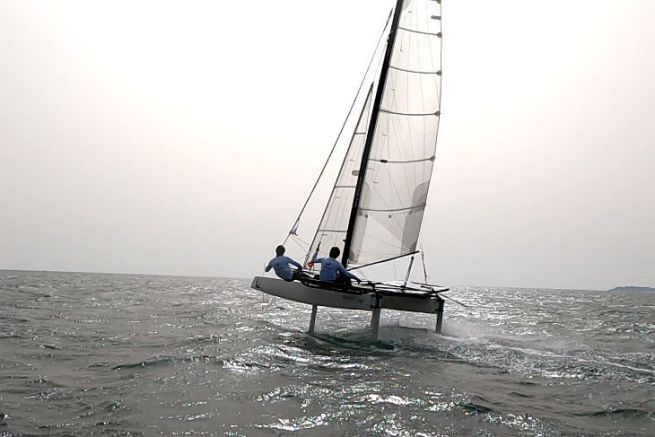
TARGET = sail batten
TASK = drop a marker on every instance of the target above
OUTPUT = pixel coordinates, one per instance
(419, 31)
(376, 207)
(411, 161)
(438, 72)
(398, 174)
(411, 114)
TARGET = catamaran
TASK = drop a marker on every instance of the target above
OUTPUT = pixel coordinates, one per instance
(375, 210)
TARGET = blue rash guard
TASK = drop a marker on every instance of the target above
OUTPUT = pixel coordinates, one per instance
(281, 266)
(331, 268)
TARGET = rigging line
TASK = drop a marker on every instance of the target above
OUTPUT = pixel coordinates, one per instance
(381, 261)
(409, 271)
(425, 272)
(302, 241)
(299, 245)
(299, 241)
(344, 176)
(302, 210)
(350, 157)
(351, 147)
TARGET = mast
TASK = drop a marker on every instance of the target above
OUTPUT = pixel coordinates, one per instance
(371, 131)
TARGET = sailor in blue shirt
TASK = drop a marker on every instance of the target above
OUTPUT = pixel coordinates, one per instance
(281, 266)
(331, 270)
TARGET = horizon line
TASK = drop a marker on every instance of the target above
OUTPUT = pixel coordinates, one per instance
(245, 278)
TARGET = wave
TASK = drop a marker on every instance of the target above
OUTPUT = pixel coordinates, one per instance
(520, 395)
(626, 413)
(164, 361)
(358, 341)
(470, 407)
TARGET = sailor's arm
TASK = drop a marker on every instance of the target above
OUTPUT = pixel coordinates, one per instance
(268, 267)
(345, 272)
(295, 263)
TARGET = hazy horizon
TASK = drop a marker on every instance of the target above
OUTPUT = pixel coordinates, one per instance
(177, 138)
(249, 278)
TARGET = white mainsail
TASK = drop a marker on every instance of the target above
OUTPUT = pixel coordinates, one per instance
(396, 178)
(402, 155)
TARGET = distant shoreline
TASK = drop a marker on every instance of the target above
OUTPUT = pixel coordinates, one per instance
(616, 289)
(118, 273)
(634, 289)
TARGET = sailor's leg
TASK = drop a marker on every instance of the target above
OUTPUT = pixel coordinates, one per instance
(343, 281)
(375, 324)
(312, 321)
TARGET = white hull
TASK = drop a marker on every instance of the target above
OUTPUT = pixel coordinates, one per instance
(360, 298)
(367, 301)
(313, 296)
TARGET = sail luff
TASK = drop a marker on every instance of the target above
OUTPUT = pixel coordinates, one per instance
(371, 131)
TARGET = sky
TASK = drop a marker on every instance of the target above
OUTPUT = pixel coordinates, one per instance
(182, 137)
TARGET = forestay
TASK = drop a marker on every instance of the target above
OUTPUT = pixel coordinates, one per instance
(334, 223)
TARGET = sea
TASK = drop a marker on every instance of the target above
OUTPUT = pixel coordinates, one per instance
(130, 355)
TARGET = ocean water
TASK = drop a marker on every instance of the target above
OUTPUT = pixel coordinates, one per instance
(95, 354)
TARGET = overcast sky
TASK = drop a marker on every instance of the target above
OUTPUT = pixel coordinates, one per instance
(181, 137)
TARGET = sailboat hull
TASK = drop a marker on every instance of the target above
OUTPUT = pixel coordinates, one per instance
(361, 298)
(299, 292)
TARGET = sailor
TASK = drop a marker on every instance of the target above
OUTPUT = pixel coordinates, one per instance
(281, 266)
(332, 271)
